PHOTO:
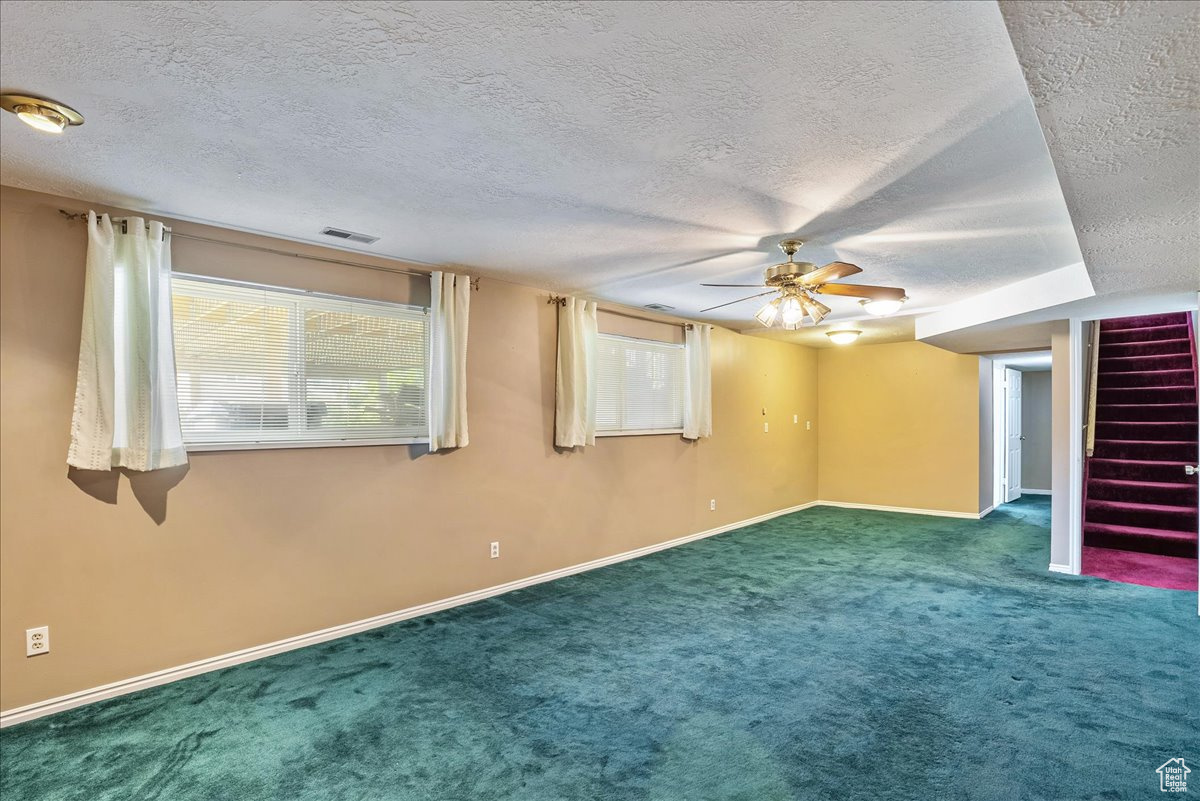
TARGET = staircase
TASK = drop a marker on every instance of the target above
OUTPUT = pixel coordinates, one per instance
(1138, 497)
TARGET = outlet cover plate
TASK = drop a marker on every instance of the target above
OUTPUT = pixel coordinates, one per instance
(37, 641)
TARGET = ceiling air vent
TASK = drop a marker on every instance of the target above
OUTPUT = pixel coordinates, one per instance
(659, 307)
(349, 236)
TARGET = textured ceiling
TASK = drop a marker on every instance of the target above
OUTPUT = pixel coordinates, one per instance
(1117, 88)
(616, 149)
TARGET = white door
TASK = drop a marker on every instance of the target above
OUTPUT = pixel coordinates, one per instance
(1012, 418)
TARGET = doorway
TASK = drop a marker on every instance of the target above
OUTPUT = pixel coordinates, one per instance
(1021, 417)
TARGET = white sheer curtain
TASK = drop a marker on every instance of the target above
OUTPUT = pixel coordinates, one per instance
(575, 386)
(450, 307)
(126, 408)
(697, 401)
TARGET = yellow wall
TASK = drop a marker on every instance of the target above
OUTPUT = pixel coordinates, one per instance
(251, 547)
(899, 427)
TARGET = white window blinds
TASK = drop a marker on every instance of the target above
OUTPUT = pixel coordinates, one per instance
(640, 386)
(269, 366)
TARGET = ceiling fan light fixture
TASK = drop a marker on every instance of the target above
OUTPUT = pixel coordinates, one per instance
(882, 308)
(815, 308)
(767, 314)
(792, 310)
(798, 283)
(844, 337)
(40, 113)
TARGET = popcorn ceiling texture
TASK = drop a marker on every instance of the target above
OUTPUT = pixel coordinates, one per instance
(1117, 88)
(608, 148)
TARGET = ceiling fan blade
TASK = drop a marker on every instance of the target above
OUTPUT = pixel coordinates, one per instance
(830, 272)
(747, 286)
(863, 291)
(739, 300)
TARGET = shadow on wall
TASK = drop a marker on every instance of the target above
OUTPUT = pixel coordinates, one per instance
(150, 489)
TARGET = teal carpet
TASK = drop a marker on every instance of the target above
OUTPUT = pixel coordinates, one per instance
(829, 654)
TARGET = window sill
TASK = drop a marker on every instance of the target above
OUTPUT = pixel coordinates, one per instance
(640, 433)
(201, 447)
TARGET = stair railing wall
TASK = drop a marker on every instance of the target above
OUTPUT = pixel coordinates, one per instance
(1089, 426)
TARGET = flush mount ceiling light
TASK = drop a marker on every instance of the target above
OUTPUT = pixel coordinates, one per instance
(842, 337)
(881, 308)
(40, 113)
(796, 283)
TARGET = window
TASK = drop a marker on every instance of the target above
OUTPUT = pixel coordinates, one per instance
(262, 366)
(640, 386)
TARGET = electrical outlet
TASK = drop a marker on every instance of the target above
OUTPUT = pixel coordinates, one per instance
(37, 641)
(712, 505)
(795, 418)
(808, 425)
(495, 550)
(766, 428)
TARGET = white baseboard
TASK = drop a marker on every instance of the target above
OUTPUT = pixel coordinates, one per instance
(987, 511)
(904, 509)
(148, 680)
(1057, 568)
(136, 683)
(1034, 492)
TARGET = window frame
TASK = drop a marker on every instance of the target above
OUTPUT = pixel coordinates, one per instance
(267, 445)
(642, 432)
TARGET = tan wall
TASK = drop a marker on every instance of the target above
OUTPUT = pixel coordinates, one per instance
(256, 546)
(899, 427)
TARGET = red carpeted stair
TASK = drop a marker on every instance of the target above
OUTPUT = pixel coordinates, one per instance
(1138, 497)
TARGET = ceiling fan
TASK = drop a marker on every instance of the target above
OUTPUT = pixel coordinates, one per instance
(797, 282)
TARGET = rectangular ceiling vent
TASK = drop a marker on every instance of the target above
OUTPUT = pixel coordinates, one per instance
(350, 236)
(659, 307)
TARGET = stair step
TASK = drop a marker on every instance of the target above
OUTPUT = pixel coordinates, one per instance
(1177, 431)
(1159, 492)
(1140, 470)
(1155, 333)
(1153, 395)
(1138, 538)
(1147, 378)
(1158, 412)
(1152, 450)
(1144, 321)
(1142, 363)
(1150, 348)
(1147, 515)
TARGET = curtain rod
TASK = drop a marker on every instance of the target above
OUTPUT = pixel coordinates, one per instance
(559, 300)
(82, 215)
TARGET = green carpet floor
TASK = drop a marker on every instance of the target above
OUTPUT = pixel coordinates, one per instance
(829, 654)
